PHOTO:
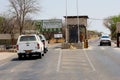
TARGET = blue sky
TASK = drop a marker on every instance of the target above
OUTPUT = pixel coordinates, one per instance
(98, 9)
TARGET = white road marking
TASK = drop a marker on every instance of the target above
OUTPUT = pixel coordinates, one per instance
(59, 61)
(91, 64)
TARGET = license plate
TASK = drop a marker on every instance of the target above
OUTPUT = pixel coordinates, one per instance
(28, 51)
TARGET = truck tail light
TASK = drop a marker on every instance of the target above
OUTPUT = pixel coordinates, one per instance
(38, 46)
(17, 47)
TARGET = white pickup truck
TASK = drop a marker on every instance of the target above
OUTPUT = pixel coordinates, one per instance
(28, 45)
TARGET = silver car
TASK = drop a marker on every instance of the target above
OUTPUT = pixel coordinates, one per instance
(45, 42)
(105, 39)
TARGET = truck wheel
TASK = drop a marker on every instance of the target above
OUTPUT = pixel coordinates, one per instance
(109, 44)
(19, 56)
(45, 50)
(43, 54)
(40, 55)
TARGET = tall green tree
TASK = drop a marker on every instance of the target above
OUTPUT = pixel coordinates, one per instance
(38, 25)
(110, 23)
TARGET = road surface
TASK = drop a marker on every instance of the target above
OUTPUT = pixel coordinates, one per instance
(95, 63)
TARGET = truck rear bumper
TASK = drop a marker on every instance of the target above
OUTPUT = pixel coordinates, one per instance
(31, 53)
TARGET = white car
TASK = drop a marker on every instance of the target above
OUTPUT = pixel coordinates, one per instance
(45, 42)
(105, 39)
(29, 45)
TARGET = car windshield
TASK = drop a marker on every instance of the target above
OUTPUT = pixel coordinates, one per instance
(105, 36)
(28, 38)
(42, 37)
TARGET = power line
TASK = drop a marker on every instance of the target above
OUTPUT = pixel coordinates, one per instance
(98, 19)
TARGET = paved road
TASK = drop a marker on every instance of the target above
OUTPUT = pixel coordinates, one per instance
(95, 63)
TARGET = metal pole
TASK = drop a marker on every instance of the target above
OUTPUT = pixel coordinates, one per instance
(66, 23)
(78, 21)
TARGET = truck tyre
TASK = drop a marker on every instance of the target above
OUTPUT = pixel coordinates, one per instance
(40, 55)
(43, 54)
(19, 56)
(109, 44)
(45, 50)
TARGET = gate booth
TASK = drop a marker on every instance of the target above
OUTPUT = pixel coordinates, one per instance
(118, 39)
(118, 33)
(76, 34)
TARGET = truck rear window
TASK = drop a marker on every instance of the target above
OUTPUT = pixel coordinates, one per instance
(28, 38)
